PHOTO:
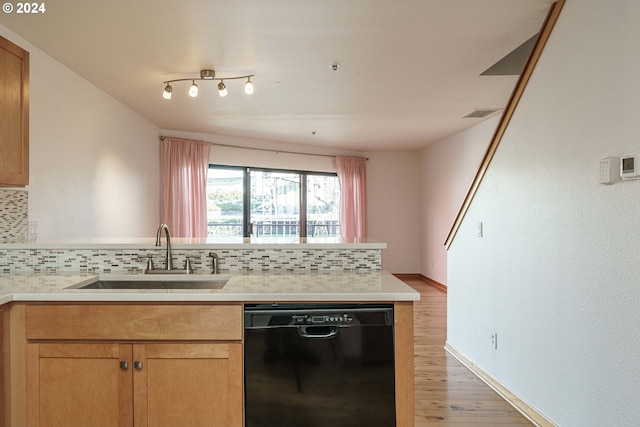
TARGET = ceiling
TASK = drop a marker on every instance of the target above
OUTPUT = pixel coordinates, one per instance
(409, 70)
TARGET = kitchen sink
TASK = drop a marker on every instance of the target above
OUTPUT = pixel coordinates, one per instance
(146, 282)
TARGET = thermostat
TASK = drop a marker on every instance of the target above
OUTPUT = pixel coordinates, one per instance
(630, 166)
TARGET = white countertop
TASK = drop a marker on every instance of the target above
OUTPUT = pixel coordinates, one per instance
(307, 287)
(203, 243)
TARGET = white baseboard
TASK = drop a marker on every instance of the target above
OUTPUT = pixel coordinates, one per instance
(520, 405)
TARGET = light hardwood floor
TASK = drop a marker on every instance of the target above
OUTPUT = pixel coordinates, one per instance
(447, 393)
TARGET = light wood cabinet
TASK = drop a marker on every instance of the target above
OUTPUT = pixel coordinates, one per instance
(14, 114)
(188, 385)
(120, 385)
(157, 383)
(2, 335)
(71, 385)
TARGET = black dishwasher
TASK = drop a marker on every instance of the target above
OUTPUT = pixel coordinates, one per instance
(310, 365)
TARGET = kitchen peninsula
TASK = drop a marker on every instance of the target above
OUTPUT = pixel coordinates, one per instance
(123, 338)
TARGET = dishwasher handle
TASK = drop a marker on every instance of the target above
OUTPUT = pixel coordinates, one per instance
(327, 332)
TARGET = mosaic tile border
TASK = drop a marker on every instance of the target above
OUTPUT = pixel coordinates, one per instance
(14, 208)
(230, 260)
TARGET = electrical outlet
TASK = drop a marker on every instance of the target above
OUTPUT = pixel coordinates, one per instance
(494, 340)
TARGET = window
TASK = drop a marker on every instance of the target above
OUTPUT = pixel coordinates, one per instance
(271, 203)
(323, 206)
(225, 199)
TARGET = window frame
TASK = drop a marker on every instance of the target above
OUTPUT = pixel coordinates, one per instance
(246, 196)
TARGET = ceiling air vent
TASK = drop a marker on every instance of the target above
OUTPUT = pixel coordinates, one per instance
(478, 114)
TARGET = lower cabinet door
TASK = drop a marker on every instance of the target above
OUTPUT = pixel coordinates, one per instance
(81, 385)
(146, 385)
(188, 385)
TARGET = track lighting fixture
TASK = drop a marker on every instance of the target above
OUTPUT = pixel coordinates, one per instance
(193, 90)
(248, 86)
(167, 91)
(222, 89)
(208, 75)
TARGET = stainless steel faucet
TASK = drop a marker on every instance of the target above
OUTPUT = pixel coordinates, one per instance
(168, 266)
(169, 262)
(215, 269)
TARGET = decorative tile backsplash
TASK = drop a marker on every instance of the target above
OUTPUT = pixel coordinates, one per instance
(14, 206)
(14, 229)
(230, 260)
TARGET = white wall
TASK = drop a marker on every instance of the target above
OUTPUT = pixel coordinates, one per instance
(557, 274)
(448, 169)
(393, 187)
(394, 208)
(93, 161)
(238, 151)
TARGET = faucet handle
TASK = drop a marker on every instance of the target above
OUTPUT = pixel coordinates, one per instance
(187, 265)
(150, 265)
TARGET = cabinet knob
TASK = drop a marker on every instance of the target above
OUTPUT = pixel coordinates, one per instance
(124, 365)
(137, 364)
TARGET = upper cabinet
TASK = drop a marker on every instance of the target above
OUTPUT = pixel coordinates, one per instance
(14, 114)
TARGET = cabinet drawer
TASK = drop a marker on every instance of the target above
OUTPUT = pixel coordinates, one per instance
(133, 322)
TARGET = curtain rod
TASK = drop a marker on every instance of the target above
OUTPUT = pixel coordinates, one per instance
(268, 149)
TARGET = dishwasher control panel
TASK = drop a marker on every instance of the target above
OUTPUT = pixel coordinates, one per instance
(262, 316)
(321, 319)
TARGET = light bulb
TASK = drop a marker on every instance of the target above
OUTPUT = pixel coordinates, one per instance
(167, 91)
(248, 86)
(193, 90)
(222, 89)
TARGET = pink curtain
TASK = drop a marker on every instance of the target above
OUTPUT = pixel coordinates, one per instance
(353, 198)
(183, 186)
